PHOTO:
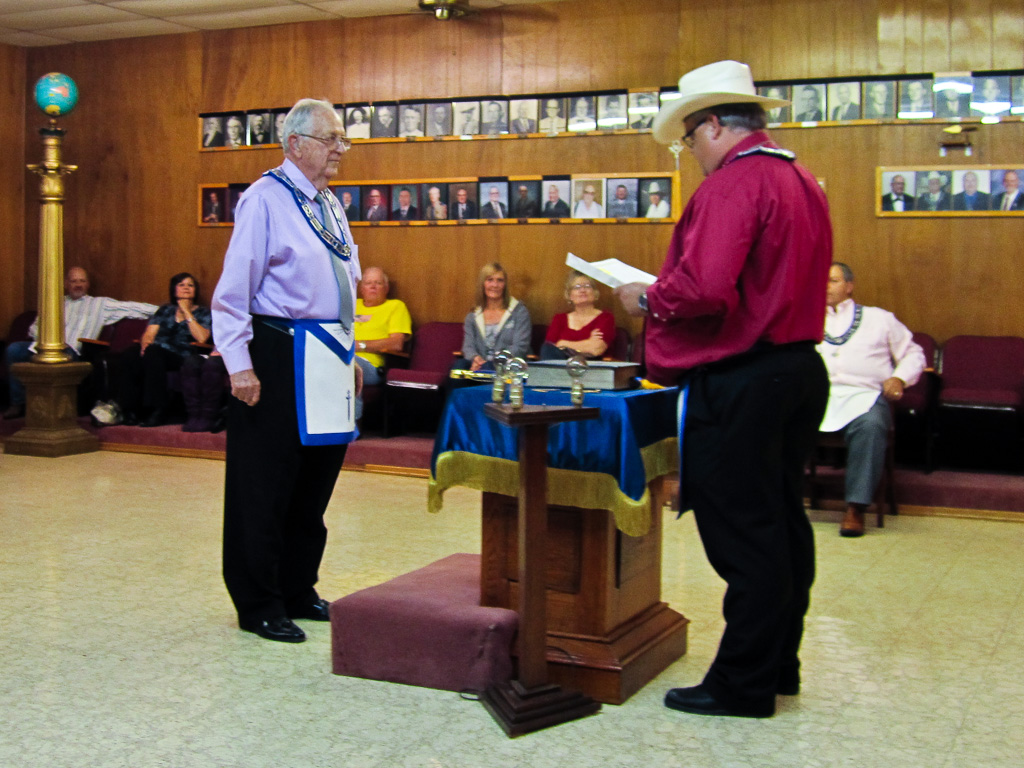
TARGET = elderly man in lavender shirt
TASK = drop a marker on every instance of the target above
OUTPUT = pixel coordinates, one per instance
(280, 267)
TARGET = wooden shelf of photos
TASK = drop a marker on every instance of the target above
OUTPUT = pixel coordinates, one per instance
(216, 201)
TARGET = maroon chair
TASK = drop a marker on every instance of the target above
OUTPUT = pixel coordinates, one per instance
(918, 401)
(105, 353)
(433, 348)
(618, 348)
(982, 384)
(537, 335)
(17, 332)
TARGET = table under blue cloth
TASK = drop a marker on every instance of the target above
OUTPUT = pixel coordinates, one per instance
(605, 463)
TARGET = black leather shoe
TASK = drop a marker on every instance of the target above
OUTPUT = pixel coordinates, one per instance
(698, 701)
(14, 412)
(281, 629)
(789, 682)
(129, 419)
(318, 611)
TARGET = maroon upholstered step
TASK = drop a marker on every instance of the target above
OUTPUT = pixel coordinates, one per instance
(424, 628)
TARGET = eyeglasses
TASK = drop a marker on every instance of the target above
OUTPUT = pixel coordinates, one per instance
(582, 287)
(330, 141)
(689, 139)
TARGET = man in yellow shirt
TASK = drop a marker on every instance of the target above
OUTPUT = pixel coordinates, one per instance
(382, 326)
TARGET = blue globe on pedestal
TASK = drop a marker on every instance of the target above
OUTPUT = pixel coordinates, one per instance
(56, 94)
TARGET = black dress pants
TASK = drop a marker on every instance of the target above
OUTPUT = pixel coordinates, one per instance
(750, 424)
(275, 491)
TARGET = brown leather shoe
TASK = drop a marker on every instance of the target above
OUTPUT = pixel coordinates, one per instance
(853, 523)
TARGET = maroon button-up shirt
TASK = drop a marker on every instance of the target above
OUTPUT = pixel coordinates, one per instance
(748, 263)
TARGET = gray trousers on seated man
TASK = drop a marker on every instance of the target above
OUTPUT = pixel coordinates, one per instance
(372, 376)
(866, 438)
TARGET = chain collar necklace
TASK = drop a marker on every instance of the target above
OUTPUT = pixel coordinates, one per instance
(858, 314)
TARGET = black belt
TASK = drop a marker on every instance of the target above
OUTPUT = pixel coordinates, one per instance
(760, 349)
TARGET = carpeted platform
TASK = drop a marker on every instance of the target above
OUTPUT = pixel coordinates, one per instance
(944, 489)
(425, 628)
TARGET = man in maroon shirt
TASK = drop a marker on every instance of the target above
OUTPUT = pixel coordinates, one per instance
(734, 315)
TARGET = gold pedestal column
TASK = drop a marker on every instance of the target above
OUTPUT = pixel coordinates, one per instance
(51, 380)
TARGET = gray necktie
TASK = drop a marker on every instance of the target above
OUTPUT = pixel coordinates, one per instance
(346, 314)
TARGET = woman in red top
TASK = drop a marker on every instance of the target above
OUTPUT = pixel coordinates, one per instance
(585, 330)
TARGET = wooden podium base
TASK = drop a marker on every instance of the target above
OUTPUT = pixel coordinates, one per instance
(520, 710)
(608, 631)
(51, 426)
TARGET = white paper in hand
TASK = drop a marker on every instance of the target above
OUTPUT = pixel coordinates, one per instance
(610, 272)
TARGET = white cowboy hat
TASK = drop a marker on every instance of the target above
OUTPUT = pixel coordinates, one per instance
(654, 189)
(724, 82)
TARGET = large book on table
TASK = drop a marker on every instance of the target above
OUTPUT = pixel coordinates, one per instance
(600, 374)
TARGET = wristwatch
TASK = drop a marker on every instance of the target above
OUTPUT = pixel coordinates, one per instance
(361, 345)
(641, 302)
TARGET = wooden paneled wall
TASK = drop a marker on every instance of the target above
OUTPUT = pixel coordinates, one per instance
(131, 209)
(12, 185)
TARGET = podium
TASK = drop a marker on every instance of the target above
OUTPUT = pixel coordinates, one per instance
(608, 631)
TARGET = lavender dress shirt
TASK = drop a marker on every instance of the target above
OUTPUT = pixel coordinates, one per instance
(275, 265)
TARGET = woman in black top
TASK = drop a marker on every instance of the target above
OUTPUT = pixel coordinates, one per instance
(163, 348)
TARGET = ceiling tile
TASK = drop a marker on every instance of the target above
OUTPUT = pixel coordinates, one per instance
(166, 9)
(28, 39)
(116, 30)
(358, 8)
(253, 18)
(73, 16)
(21, 6)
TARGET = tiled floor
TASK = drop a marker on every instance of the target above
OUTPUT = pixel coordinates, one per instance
(119, 648)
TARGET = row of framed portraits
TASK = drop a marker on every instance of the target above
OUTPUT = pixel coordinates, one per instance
(448, 119)
(950, 190)
(949, 95)
(581, 198)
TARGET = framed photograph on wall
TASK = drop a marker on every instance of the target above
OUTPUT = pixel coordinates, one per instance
(582, 113)
(915, 99)
(261, 128)
(438, 118)
(952, 94)
(1007, 195)
(1017, 95)
(212, 134)
(656, 198)
(279, 115)
(405, 202)
(808, 103)
(552, 114)
(525, 202)
(777, 91)
(384, 121)
(213, 204)
(462, 198)
(622, 198)
(933, 191)
(588, 199)
(643, 106)
(493, 117)
(234, 130)
(435, 202)
(357, 121)
(376, 199)
(467, 117)
(493, 198)
(878, 99)
(991, 96)
(611, 111)
(350, 198)
(898, 196)
(843, 101)
(971, 190)
(555, 192)
(411, 123)
(524, 115)
(234, 192)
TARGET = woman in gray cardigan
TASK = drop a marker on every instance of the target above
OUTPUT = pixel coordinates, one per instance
(498, 322)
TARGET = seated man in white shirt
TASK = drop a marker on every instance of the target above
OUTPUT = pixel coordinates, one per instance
(871, 357)
(84, 318)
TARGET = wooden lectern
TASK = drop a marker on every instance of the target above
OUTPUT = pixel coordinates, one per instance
(529, 702)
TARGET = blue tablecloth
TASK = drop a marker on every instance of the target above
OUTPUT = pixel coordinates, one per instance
(604, 463)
